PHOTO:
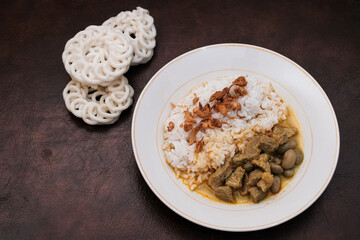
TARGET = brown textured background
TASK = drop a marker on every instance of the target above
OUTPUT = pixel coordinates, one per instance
(63, 179)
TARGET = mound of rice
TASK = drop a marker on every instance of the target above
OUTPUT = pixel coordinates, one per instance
(261, 108)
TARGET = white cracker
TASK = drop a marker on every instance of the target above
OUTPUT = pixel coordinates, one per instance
(99, 105)
(97, 56)
(140, 30)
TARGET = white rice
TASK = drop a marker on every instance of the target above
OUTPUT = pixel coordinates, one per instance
(219, 143)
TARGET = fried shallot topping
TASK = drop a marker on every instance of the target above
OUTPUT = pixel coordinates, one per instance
(240, 81)
(240, 117)
(189, 118)
(222, 102)
(199, 146)
(202, 112)
(189, 121)
(221, 107)
(231, 103)
(196, 99)
(239, 91)
(219, 94)
(187, 126)
(211, 123)
(170, 126)
(192, 136)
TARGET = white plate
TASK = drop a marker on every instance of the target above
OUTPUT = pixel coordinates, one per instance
(311, 106)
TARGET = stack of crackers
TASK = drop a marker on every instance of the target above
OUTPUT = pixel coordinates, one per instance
(97, 59)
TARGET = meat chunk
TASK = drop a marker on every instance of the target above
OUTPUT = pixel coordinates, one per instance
(256, 194)
(266, 181)
(282, 134)
(224, 193)
(245, 186)
(268, 144)
(235, 178)
(289, 130)
(252, 148)
(278, 133)
(254, 177)
(275, 159)
(262, 162)
(240, 159)
(252, 151)
(217, 178)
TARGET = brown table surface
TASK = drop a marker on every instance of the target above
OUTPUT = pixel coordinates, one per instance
(63, 179)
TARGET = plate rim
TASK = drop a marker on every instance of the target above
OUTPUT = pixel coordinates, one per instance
(204, 224)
